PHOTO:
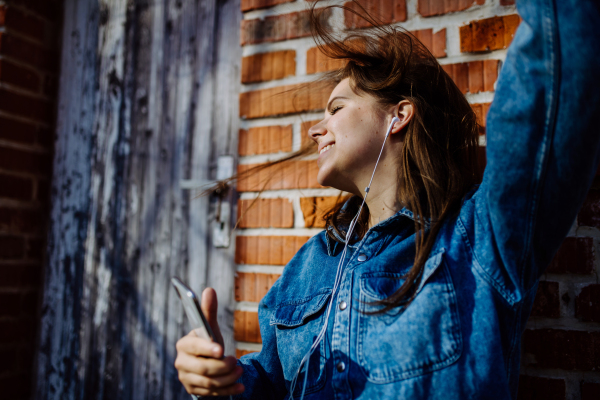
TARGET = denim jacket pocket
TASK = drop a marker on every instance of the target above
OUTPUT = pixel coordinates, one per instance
(298, 323)
(407, 342)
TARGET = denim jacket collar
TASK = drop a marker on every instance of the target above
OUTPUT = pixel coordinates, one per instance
(334, 245)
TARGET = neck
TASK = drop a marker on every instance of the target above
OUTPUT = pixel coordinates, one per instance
(383, 201)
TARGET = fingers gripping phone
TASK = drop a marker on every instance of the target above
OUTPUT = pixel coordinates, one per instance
(191, 305)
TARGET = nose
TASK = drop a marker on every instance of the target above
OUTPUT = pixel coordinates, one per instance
(317, 130)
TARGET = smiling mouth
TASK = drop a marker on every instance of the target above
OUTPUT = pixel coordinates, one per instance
(324, 149)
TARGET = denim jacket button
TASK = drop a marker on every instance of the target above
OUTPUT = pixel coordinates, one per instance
(362, 257)
(343, 305)
(341, 366)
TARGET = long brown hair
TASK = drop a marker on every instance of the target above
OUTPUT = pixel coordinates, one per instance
(439, 156)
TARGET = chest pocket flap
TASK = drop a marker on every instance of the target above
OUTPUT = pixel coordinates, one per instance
(298, 323)
(294, 312)
(380, 289)
(407, 342)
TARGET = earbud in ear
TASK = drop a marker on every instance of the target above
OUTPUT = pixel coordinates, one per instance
(394, 120)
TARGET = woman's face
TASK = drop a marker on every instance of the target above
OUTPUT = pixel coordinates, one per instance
(349, 138)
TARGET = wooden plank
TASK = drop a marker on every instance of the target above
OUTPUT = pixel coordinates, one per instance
(227, 64)
(147, 99)
(58, 374)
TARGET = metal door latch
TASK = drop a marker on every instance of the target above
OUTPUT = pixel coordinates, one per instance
(222, 224)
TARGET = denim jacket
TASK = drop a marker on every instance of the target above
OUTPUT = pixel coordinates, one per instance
(460, 337)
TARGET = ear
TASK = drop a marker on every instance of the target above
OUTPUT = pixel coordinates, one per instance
(404, 111)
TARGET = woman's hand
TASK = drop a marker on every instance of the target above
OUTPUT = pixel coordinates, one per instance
(202, 370)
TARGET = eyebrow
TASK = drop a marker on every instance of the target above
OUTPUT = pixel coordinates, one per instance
(334, 99)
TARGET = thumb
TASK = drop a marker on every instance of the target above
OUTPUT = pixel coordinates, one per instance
(210, 305)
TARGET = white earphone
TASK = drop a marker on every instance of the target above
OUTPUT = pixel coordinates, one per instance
(338, 277)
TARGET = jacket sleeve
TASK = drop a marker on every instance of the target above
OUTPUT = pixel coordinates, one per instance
(543, 140)
(263, 374)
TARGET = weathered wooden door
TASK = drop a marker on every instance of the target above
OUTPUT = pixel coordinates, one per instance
(148, 101)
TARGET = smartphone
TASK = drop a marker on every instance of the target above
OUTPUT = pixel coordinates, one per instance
(191, 305)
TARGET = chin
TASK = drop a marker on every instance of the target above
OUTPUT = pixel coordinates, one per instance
(329, 181)
(325, 180)
(322, 180)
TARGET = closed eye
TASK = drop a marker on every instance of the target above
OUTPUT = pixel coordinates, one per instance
(334, 110)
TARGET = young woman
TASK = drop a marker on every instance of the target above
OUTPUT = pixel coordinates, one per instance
(427, 295)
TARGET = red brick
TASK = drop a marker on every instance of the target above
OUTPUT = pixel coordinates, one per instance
(435, 42)
(248, 5)
(26, 106)
(589, 215)
(284, 100)
(276, 246)
(27, 52)
(265, 213)
(23, 77)
(289, 175)
(590, 390)
(490, 74)
(276, 28)
(481, 110)
(11, 247)
(273, 250)
(474, 76)
(315, 208)
(16, 220)
(24, 161)
(317, 61)
(268, 66)
(507, 2)
(537, 388)
(245, 327)
(575, 256)
(488, 34)
(16, 20)
(16, 131)
(383, 11)
(16, 188)
(562, 349)
(547, 301)
(264, 140)
(428, 8)
(253, 286)
(587, 304)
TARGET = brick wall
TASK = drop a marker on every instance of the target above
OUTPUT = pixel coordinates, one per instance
(28, 85)
(562, 343)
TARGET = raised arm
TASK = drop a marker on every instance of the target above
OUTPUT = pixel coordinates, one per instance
(543, 144)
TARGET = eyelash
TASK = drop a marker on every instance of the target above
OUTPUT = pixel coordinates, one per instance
(334, 110)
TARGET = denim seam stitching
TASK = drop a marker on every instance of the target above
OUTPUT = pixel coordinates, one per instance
(498, 286)
(549, 127)
(433, 365)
